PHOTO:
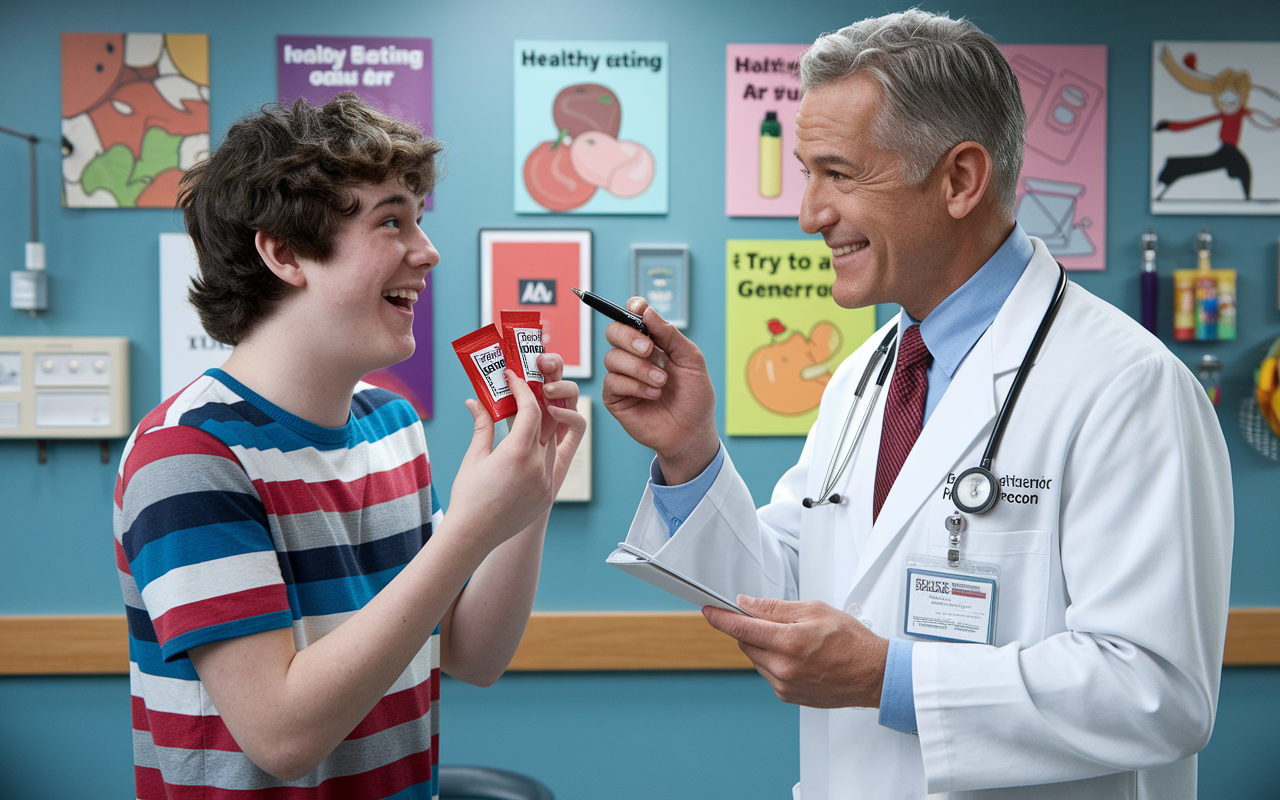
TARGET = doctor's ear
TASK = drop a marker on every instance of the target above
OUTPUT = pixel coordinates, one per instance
(280, 259)
(966, 175)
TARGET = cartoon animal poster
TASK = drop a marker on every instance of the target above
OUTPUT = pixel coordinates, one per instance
(784, 335)
(394, 74)
(591, 127)
(1062, 191)
(1215, 111)
(135, 116)
(762, 93)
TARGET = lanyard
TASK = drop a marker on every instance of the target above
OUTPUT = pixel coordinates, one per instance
(888, 347)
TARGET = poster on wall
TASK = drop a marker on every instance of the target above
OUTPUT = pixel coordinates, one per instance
(394, 74)
(186, 351)
(1062, 191)
(391, 72)
(591, 127)
(762, 93)
(537, 270)
(784, 335)
(1215, 114)
(135, 116)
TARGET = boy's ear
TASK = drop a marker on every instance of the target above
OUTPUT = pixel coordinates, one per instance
(280, 259)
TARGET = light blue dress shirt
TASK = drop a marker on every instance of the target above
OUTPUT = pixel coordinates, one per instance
(950, 331)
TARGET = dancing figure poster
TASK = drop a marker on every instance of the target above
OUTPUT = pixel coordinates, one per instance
(1215, 128)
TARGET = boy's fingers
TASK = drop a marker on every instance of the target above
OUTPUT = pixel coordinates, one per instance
(482, 434)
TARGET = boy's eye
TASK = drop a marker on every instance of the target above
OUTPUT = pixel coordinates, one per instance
(391, 222)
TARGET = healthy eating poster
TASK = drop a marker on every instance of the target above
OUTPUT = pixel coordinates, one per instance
(591, 127)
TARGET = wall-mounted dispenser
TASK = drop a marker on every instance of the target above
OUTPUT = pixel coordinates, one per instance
(64, 387)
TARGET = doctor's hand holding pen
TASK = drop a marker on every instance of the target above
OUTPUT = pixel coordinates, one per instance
(658, 388)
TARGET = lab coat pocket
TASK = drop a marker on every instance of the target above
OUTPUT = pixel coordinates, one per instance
(1023, 593)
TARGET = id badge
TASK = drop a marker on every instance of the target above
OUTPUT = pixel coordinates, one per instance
(951, 604)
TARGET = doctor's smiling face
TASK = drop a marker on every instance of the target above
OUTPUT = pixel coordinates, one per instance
(886, 235)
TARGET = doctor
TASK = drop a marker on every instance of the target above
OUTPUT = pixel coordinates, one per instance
(1067, 641)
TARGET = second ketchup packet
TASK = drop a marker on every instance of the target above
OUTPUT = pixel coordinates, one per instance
(521, 333)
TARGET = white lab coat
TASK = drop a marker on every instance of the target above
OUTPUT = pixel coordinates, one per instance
(1114, 579)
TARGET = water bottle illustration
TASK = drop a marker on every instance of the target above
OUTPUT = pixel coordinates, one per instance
(770, 155)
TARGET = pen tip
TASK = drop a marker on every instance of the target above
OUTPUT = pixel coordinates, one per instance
(576, 291)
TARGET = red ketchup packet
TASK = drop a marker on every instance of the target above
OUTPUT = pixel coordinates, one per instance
(522, 343)
(482, 357)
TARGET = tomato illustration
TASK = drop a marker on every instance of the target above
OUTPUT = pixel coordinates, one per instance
(551, 179)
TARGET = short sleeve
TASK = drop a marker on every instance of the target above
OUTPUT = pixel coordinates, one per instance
(196, 540)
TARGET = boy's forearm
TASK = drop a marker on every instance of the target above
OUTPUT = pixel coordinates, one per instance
(287, 709)
(480, 634)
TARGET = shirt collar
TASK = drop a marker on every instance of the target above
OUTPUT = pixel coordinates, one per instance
(951, 330)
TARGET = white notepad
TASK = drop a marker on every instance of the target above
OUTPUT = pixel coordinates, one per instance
(635, 561)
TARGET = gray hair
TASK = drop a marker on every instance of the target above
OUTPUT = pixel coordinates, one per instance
(943, 82)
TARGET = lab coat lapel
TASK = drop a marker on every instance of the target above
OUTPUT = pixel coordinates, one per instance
(965, 412)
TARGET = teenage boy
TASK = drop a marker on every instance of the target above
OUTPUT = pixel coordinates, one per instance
(292, 586)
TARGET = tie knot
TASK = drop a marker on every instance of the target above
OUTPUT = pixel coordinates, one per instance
(912, 350)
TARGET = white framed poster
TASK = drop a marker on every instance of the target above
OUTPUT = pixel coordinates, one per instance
(186, 351)
(1215, 128)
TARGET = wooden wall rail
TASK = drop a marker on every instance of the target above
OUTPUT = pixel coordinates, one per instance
(572, 641)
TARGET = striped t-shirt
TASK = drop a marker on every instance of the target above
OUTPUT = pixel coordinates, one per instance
(233, 517)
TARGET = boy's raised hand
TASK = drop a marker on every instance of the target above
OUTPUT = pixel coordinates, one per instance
(501, 491)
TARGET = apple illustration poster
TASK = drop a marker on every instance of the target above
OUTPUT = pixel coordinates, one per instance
(394, 74)
(591, 127)
(762, 94)
(1215, 128)
(1062, 191)
(784, 335)
(135, 116)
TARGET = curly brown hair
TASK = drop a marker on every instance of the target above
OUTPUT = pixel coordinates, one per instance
(287, 171)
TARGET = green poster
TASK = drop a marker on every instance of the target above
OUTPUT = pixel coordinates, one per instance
(784, 335)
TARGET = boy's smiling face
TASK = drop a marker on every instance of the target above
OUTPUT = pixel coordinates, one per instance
(361, 298)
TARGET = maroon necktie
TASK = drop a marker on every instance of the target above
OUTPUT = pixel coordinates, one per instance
(903, 413)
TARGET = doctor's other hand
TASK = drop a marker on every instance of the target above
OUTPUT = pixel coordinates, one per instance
(810, 653)
(658, 388)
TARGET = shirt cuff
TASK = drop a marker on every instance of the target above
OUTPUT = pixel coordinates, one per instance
(676, 503)
(897, 697)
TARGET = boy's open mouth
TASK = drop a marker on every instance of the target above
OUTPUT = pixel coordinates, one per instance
(405, 298)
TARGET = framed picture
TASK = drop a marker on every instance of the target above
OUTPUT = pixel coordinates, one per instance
(660, 274)
(1214, 112)
(535, 270)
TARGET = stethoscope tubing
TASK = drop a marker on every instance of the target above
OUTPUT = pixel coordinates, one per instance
(888, 347)
(1020, 378)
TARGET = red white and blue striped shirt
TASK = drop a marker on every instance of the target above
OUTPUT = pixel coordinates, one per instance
(233, 517)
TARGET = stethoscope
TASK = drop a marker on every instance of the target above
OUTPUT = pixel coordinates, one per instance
(975, 488)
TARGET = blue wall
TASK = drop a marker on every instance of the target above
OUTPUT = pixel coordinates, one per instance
(697, 734)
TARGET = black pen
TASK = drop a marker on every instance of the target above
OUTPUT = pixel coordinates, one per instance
(612, 310)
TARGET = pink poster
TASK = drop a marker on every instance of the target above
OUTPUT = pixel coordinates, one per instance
(1062, 192)
(762, 92)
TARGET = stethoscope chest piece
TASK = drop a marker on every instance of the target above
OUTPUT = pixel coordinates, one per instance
(975, 491)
